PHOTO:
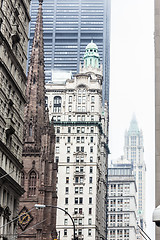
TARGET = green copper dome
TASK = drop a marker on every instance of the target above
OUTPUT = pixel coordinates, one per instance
(91, 56)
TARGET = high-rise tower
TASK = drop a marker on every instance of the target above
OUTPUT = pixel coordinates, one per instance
(81, 149)
(69, 25)
(133, 151)
(40, 171)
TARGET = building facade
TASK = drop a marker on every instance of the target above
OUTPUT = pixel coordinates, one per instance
(157, 107)
(81, 149)
(69, 25)
(134, 153)
(14, 22)
(122, 204)
(40, 171)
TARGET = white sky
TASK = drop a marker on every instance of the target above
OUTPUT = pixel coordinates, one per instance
(132, 83)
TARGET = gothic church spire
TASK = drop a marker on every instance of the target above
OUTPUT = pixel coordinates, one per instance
(35, 92)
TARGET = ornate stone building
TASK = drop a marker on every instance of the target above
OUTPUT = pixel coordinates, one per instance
(40, 171)
(81, 125)
(14, 21)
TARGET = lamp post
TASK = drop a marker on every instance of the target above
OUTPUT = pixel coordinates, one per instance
(74, 228)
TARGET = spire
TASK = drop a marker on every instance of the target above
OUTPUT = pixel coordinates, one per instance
(133, 125)
(35, 91)
(91, 56)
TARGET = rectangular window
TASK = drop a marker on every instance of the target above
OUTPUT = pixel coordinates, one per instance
(91, 149)
(67, 179)
(90, 190)
(91, 170)
(78, 129)
(92, 129)
(91, 159)
(89, 221)
(57, 149)
(83, 108)
(68, 149)
(82, 149)
(70, 108)
(90, 211)
(68, 159)
(65, 221)
(81, 190)
(69, 139)
(92, 99)
(80, 200)
(83, 117)
(67, 169)
(82, 139)
(69, 118)
(89, 232)
(69, 129)
(57, 139)
(92, 108)
(65, 232)
(57, 159)
(91, 139)
(78, 139)
(78, 118)
(90, 179)
(82, 130)
(76, 190)
(92, 117)
(66, 200)
(67, 190)
(58, 129)
(75, 210)
(58, 118)
(70, 99)
(90, 200)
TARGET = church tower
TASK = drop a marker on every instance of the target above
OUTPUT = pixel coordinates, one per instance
(40, 171)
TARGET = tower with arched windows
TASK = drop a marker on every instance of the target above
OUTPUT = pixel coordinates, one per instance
(40, 172)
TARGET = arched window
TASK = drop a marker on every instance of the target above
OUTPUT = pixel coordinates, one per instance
(57, 104)
(30, 130)
(32, 183)
(22, 179)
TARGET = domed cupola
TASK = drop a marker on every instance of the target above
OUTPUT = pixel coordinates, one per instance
(91, 56)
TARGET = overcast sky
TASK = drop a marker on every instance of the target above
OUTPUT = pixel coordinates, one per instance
(132, 83)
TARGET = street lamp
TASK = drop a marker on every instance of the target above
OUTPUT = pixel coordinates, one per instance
(37, 206)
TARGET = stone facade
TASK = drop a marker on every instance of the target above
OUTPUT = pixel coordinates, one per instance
(157, 108)
(81, 125)
(39, 172)
(122, 204)
(14, 21)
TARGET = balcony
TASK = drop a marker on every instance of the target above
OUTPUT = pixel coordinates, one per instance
(10, 126)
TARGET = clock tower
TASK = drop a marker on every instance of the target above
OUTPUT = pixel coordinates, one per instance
(40, 171)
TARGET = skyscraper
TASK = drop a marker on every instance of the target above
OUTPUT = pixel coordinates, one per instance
(81, 149)
(133, 151)
(157, 108)
(69, 25)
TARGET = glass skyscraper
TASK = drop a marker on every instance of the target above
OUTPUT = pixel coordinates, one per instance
(69, 25)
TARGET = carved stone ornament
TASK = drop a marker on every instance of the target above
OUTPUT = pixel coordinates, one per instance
(25, 218)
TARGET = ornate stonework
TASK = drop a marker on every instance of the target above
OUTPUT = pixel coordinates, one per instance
(40, 171)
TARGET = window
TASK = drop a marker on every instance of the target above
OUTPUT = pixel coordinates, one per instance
(78, 118)
(91, 159)
(92, 129)
(91, 139)
(75, 210)
(76, 200)
(69, 129)
(90, 190)
(57, 159)
(90, 180)
(22, 179)
(57, 149)
(81, 190)
(70, 108)
(57, 139)
(91, 149)
(65, 221)
(70, 99)
(90, 200)
(91, 170)
(82, 139)
(57, 104)
(89, 232)
(69, 139)
(90, 211)
(89, 221)
(82, 149)
(67, 179)
(58, 129)
(92, 117)
(58, 118)
(67, 169)
(83, 108)
(83, 117)
(66, 200)
(65, 232)
(80, 221)
(68, 159)
(92, 108)
(69, 118)
(32, 183)
(78, 139)
(68, 149)
(82, 130)
(76, 190)
(92, 99)
(67, 190)
(80, 200)
(78, 129)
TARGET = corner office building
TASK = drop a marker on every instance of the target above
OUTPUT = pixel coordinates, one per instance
(69, 25)
(81, 149)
